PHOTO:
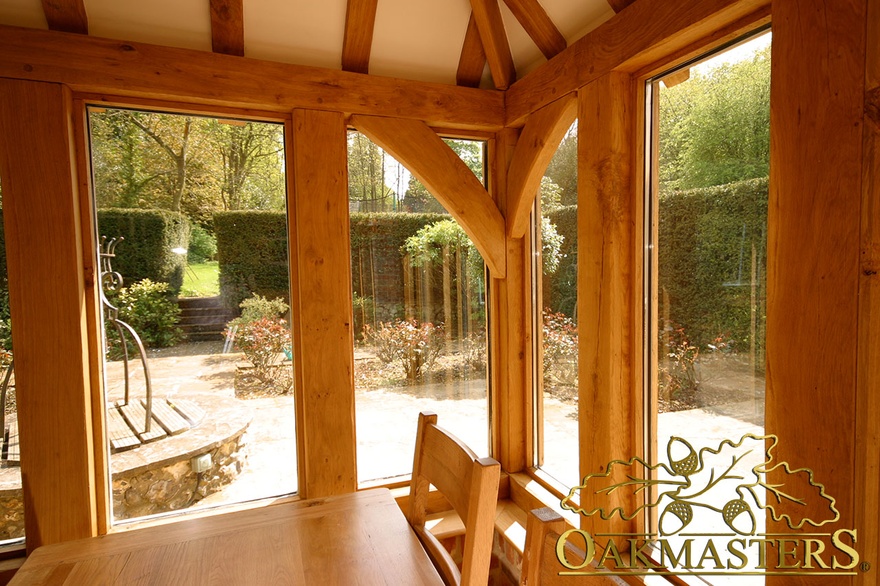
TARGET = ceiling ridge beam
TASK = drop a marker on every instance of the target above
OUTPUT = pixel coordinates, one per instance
(487, 13)
(537, 24)
(95, 65)
(360, 22)
(473, 58)
(68, 16)
(227, 27)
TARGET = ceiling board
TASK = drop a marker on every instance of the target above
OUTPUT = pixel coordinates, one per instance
(305, 32)
(174, 23)
(26, 13)
(419, 39)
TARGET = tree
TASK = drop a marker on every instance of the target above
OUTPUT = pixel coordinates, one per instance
(250, 155)
(715, 128)
(562, 170)
(366, 175)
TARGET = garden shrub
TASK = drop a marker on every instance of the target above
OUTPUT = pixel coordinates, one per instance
(258, 307)
(413, 344)
(264, 337)
(263, 342)
(202, 246)
(150, 238)
(560, 349)
(677, 369)
(150, 310)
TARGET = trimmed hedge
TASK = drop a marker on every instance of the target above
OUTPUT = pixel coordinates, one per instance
(560, 290)
(705, 251)
(149, 238)
(252, 255)
(707, 239)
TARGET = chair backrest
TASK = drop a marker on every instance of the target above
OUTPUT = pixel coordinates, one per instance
(470, 484)
(540, 566)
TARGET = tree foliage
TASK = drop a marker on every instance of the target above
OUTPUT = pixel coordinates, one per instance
(366, 175)
(715, 128)
(187, 164)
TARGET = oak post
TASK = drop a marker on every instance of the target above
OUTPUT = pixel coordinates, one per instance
(322, 310)
(47, 298)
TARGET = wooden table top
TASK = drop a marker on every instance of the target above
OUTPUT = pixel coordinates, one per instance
(358, 538)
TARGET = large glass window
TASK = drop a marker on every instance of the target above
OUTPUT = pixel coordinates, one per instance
(192, 227)
(419, 292)
(11, 494)
(555, 237)
(707, 321)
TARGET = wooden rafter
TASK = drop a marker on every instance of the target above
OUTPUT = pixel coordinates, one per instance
(618, 5)
(533, 18)
(473, 57)
(488, 16)
(227, 27)
(360, 19)
(67, 16)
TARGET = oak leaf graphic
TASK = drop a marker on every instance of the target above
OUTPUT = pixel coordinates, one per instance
(729, 479)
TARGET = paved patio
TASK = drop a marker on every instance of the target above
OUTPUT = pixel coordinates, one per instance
(385, 445)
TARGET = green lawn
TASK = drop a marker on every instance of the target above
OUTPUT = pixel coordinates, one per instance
(201, 280)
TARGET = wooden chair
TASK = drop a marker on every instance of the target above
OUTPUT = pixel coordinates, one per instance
(470, 484)
(540, 567)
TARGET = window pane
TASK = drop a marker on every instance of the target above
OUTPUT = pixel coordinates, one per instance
(711, 251)
(419, 312)
(557, 235)
(11, 495)
(192, 222)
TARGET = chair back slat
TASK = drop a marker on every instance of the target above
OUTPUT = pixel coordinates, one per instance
(470, 484)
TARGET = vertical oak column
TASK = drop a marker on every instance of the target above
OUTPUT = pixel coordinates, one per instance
(816, 115)
(322, 303)
(609, 399)
(46, 293)
(867, 469)
(511, 319)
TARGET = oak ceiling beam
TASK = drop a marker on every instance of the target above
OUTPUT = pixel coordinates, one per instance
(446, 177)
(632, 39)
(95, 65)
(537, 143)
(618, 5)
(488, 16)
(360, 20)
(67, 16)
(537, 24)
(473, 58)
(227, 27)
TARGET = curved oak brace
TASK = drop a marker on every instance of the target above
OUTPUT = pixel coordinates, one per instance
(538, 142)
(448, 179)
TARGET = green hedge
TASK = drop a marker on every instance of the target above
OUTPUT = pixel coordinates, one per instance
(705, 251)
(707, 240)
(149, 238)
(252, 255)
(560, 288)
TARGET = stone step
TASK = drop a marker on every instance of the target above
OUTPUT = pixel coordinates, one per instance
(192, 302)
(203, 320)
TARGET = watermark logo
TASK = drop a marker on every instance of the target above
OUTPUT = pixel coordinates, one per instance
(712, 503)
